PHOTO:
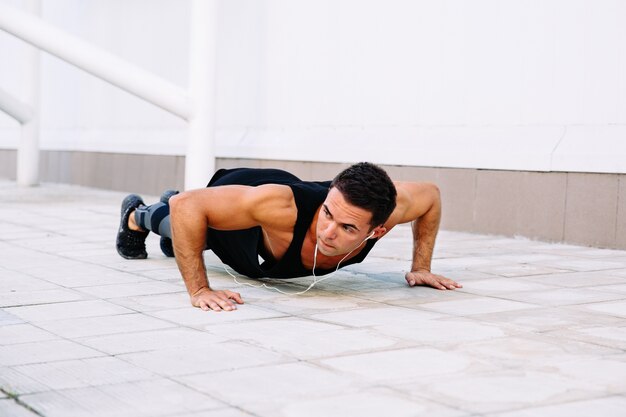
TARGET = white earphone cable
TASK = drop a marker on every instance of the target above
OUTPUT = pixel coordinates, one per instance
(315, 278)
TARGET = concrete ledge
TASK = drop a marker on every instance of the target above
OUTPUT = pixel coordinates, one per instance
(567, 207)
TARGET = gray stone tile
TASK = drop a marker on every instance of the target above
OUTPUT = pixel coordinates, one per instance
(606, 407)
(380, 316)
(83, 373)
(507, 390)
(150, 340)
(546, 319)
(7, 318)
(10, 408)
(44, 351)
(563, 296)
(476, 306)
(593, 279)
(291, 382)
(189, 360)
(303, 339)
(582, 264)
(145, 303)
(516, 270)
(610, 336)
(533, 351)
(493, 286)
(366, 403)
(23, 333)
(402, 366)
(195, 317)
(103, 325)
(23, 298)
(60, 311)
(18, 383)
(131, 289)
(612, 308)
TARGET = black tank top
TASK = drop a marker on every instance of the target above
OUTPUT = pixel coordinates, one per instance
(240, 249)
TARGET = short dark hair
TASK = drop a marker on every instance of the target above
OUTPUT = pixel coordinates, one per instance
(368, 186)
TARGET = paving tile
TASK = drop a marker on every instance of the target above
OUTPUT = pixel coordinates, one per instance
(60, 311)
(476, 306)
(304, 339)
(605, 407)
(563, 296)
(23, 333)
(607, 372)
(380, 316)
(23, 298)
(496, 285)
(619, 288)
(7, 318)
(583, 265)
(196, 317)
(327, 302)
(44, 351)
(83, 373)
(273, 385)
(220, 412)
(189, 360)
(103, 325)
(516, 270)
(441, 332)
(15, 281)
(367, 403)
(610, 336)
(401, 366)
(145, 303)
(10, 408)
(150, 340)
(507, 390)
(546, 319)
(18, 383)
(132, 289)
(579, 279)
(612, 308)
(528, 351)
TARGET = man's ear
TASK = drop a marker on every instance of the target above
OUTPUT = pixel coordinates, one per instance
(379, 231)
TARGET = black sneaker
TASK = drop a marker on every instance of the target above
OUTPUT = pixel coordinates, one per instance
(131, 244)
(166, 243)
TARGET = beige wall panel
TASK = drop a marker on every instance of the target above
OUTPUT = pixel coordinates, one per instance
(591, 209)
(540, 205)
(458, 198)
(620, 238)
(496, 208)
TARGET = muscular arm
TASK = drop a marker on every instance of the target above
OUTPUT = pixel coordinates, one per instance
(230, 207)
(420, 204)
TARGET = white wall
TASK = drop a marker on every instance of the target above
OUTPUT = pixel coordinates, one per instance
(523, 85)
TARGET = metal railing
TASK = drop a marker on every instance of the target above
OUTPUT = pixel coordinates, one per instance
(197, 105)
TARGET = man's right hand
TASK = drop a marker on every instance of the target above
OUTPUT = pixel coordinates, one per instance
(208, 299)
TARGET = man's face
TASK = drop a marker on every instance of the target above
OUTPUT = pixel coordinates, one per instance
(341, 227)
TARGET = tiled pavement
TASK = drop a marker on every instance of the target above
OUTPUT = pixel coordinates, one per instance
(538, 329)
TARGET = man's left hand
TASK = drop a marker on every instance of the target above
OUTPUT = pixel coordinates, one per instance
(426, 278)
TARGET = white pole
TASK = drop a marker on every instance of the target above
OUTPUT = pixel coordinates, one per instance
(15, 108)
(200, 155)
(28, 149)
(95, 61)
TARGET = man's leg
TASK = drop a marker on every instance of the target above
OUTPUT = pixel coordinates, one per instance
(155, 218)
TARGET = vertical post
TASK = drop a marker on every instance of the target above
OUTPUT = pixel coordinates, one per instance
(28, 150)
(200, 155)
